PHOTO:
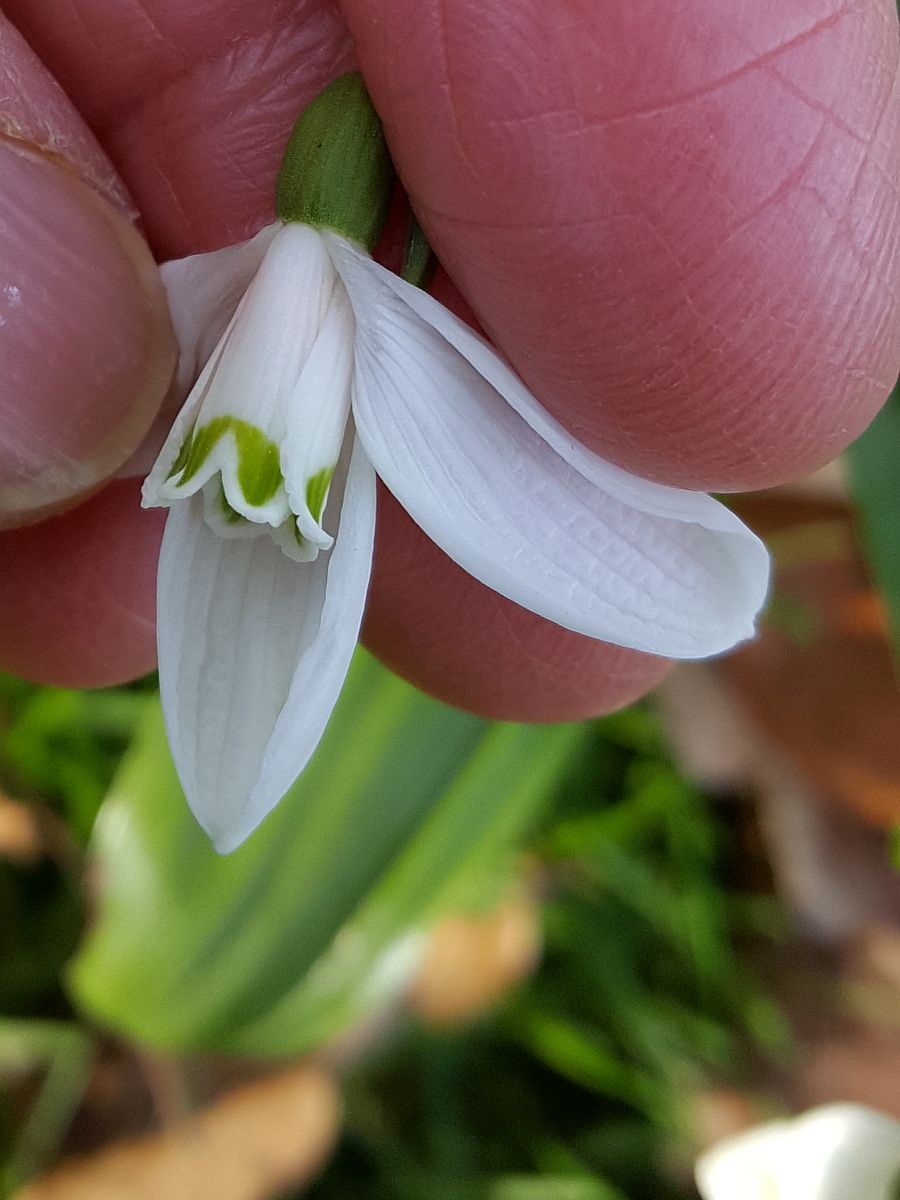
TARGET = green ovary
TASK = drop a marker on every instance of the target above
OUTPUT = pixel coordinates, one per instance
(259, 463)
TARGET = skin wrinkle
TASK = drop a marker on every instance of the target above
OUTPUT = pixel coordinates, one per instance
(155, 29)
(682, 278)
(186, 216)
(36, 119)
(677, 102)
(830, 117)
(235, 143)
(552, 667)
(867, 161)
(723, 381)
(185, 63)
(447, 85)
(784, 187)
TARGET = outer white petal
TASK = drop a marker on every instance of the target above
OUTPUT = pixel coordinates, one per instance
(520, 504)
(253, 651)
(203, 292)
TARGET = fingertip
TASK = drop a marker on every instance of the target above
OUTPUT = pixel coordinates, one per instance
(78, 592)
(680, 224)
(85, 337)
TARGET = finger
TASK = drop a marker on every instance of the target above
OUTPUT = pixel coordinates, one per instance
(193, 102)
(85, 340)
(77, 601)
(678, 220)
(200, 148)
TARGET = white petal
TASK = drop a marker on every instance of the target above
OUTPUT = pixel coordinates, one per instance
(838, 1152)
(156, 491)
(253, 651)
(745, 1167)
(522, 506)
(843, 1152)
(203, 292)
(281, 313)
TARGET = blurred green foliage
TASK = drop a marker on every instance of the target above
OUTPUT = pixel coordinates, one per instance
(577, 1088)
(581, 1085)
(63, 747)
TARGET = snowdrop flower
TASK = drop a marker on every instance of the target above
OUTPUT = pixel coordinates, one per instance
(839, 1152)
(313, 369)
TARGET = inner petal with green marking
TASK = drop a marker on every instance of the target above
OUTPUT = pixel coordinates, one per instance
(264, 426)
(238, 469)
(243, 466)
(258, 461)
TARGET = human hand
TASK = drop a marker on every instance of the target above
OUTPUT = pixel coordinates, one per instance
(680, 227)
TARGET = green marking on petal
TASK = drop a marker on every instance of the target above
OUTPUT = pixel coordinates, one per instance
(317, 491)
(259, 463)
(182, 460)
(231, 515)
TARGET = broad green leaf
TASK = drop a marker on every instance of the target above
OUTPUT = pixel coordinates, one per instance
(407, 810)
(874, 461)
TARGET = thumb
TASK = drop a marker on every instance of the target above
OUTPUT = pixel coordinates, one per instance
(85, 337)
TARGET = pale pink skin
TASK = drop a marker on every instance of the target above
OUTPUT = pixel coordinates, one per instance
(677, 218)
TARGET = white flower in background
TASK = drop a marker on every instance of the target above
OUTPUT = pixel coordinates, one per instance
(839, 1152)
(315, 368)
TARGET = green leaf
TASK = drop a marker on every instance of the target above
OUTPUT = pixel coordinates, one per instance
(407, 809)
(874, 461)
